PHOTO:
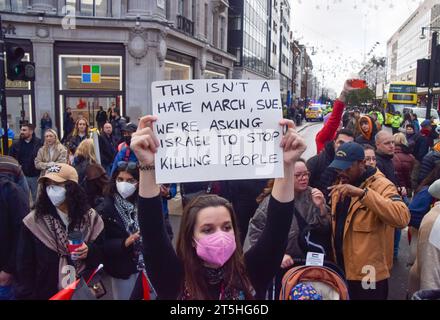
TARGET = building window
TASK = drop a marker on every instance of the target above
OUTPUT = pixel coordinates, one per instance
(168, 10)
(222, 33)
(214, 75)
(12, 5)
(87, 82)
(181, 7)
(92, 8)
(90, 72)
(177, 71)
(234, 23)
(206, 20)
(5, 5)
(274, 48)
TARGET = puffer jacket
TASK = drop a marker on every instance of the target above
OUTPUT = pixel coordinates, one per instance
(368, 231)
(420, 206)
(428, 164)
(403, 165)
(308, 211)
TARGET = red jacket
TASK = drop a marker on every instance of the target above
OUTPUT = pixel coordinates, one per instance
(328, 132)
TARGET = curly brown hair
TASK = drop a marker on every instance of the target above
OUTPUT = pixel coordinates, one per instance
(76, 200)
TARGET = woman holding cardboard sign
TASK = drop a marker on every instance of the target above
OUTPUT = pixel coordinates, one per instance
(209, 263)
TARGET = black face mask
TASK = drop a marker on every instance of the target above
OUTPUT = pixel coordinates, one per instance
(127, 140)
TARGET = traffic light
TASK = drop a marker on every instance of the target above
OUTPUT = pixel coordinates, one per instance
(17, 69)
(423, 73)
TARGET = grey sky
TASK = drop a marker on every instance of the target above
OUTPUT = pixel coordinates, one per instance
(343, 30)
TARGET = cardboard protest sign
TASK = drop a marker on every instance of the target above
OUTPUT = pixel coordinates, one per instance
(211, 130)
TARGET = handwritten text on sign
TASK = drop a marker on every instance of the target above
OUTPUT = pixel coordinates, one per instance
(212, 130)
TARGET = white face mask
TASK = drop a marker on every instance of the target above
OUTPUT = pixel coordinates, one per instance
(125, 189)
(56, 194)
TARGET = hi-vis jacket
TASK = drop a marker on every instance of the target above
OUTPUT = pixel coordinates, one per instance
(368, 239)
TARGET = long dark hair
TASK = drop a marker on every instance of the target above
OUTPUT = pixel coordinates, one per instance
(95, 182)
(110, 190)
(76, 200)
(235, 271)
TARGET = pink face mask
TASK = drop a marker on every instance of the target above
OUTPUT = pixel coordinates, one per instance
(216, 248)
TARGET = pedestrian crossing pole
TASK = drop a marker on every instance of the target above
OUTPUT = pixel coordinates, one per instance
(4, 113)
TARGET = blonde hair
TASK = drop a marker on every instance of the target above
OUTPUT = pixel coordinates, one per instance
(399, 138)
(76, 131)
(57, 140)
(86, 150)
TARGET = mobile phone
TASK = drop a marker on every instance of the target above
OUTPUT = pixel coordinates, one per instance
(358, 84)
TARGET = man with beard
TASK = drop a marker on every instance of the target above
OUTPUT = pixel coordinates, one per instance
(25, 151)
(365, 208)
(321, 177)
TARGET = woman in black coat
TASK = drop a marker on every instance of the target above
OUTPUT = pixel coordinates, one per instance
(44, 263)
(209, 263)
(122, 249)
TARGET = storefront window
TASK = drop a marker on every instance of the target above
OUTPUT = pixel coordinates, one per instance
(214, 75)
(177, 71)
(90, 72)
(18, 111)
(88, 107)
(88, 82)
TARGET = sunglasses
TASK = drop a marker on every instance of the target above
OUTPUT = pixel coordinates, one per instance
(127, 165)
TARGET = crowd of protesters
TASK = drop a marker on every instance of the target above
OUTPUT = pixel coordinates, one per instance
(349, 202)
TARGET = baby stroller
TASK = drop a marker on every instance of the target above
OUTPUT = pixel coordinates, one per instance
(304, 282)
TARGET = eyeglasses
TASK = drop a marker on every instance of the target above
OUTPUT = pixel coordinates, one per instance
(127, 165)
(302, 175)
(370, 159)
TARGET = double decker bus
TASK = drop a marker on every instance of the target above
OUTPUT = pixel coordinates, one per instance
(401, 95)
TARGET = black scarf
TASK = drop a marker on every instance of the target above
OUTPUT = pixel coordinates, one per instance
(216, 278)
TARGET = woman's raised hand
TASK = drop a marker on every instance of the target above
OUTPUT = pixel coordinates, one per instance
(292, 143)
(144, 142)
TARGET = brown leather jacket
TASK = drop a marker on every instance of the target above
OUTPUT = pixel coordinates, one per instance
(369, 228)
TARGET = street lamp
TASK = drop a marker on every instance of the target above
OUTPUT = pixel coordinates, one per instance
(432, 65)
